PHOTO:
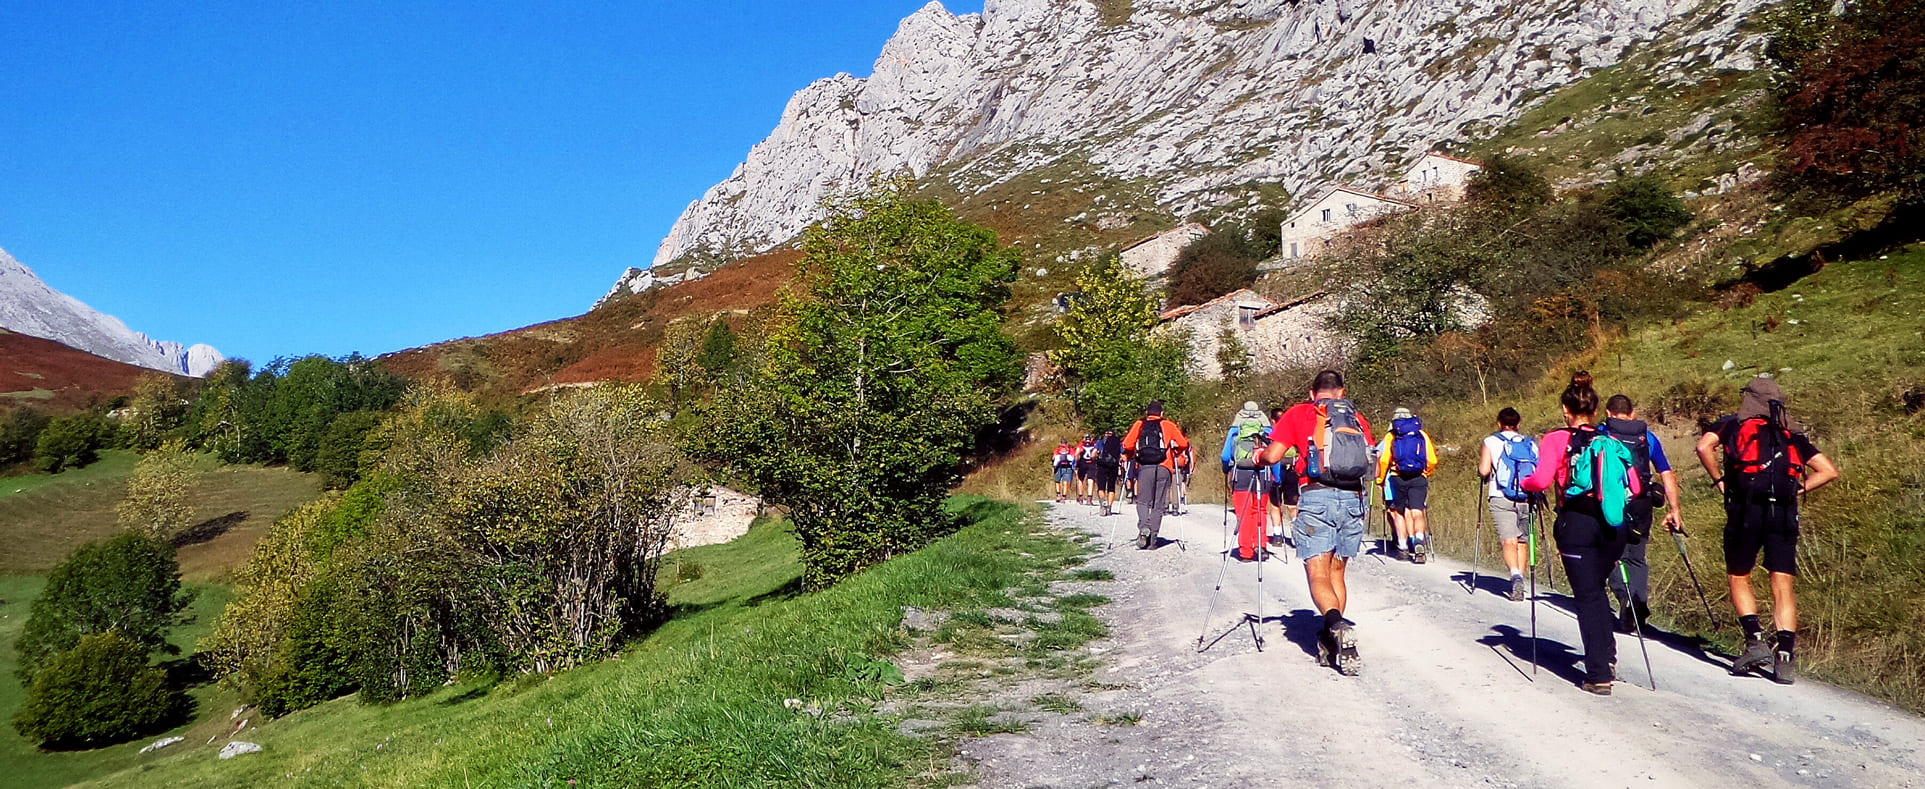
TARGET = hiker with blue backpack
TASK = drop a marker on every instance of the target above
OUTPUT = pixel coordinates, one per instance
(1506, 459)
(1405, 461)
(1769, 464)
(1333, 448)
(1243, 470)
(1632, 585)
(1588, 475)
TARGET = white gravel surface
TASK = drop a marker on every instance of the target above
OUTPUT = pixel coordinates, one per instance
(1446, 697)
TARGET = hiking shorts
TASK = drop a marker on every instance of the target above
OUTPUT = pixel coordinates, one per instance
(1284, 494)
(1754, 526)
(1412, 493)
(1329, 520)
(1509, 517)
(1106, 478)
(1065, 473)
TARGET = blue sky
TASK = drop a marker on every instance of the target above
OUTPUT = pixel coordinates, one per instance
(290, 178)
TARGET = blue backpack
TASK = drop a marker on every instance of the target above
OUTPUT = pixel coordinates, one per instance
(1408, 451)
(1518, 461)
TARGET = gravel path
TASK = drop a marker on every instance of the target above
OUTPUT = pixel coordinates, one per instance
(1446, 697)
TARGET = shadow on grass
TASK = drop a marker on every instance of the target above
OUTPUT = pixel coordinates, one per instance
(208, 529)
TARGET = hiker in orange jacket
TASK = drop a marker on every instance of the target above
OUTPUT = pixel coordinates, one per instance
(1153, 442)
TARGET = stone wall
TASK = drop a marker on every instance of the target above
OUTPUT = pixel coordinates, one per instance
(1152, 256)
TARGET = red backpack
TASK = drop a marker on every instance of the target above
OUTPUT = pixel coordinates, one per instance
(1763, 457)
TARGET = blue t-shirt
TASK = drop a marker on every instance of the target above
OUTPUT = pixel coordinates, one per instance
(1658, 462)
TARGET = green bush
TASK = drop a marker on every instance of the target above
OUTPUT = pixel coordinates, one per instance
(1210, 267)
(129, 584)
(1647, 211)
(71, 442)
(101, 691)
(339, 458)
(20, 435)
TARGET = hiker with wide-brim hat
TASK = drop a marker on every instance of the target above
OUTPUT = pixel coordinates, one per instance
(1768, 464)
(1243, 472)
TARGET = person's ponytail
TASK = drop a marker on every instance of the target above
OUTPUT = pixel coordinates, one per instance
(1580, 398)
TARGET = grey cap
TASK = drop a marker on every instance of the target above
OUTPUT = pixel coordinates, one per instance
(1250, 405)
(1402, 413)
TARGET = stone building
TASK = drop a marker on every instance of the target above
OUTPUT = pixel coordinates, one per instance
(1337, 209)
(1436, 178)
(1152, 257)
(1277, 335)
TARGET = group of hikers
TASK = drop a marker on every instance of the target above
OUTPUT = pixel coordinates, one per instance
(1305, 475)
(1093, 471)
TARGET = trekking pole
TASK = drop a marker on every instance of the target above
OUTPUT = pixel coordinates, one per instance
(1625, 576)
(1210, 613)
(1256, 628)
(1679, 539)
(1530, 525)
(1477, 538)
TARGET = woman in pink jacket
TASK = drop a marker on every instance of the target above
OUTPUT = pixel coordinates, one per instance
(1589, 546)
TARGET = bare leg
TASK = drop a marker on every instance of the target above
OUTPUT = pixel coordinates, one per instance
(1317, 570)
(1784, 601)
(1419, 522)
(1741, 596)
(1337, 567)
(1514, 556)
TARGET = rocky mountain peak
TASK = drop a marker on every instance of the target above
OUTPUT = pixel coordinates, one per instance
(29, 306)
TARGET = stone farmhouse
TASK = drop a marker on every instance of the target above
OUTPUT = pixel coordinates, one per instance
(1436, 178)
(1337, 209)
(1153, 256)
(1277, 335)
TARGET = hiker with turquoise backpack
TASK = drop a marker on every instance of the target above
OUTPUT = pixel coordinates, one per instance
(1506, 459)
(1588, 475)
(1405, 461)
(1243, 471)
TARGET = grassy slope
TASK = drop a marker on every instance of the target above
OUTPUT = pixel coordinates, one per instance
(44, 517)
(1846, 365)
(26, 767)
(698, 701)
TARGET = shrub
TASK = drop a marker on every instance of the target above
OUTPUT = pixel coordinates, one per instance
(339, 458)
(1211, 266)
(1508, 185)
(20, 435)
(1647, 211)
(70, 442)
(157, 502)
(1852, 91)
(129, 584)
(99, 692)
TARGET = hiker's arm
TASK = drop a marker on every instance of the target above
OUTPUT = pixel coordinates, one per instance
(1552, 453)
(1708, 457)
(1229, 449)
(1673, 502)
(1484, 464)
(1280, 440)
(1822, 473)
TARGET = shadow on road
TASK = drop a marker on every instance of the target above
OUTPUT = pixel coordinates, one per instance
(1499, 585)
(1555, 657)
(1302, 627)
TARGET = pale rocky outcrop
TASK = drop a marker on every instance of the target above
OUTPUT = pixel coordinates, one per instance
(720, 516)
(30, 306)
(1196, 99)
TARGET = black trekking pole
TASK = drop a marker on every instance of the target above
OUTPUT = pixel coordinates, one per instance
(1637, 621)
(1263, 551)
(1530, 525)
(1678, 538)
(1210, 613)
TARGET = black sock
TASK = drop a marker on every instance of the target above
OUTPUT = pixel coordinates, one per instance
(1753, 630)
(1331, 618)
(1787, 641)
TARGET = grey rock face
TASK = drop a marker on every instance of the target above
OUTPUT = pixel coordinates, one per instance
(1196, 98)
(237, 747)
(30, 306)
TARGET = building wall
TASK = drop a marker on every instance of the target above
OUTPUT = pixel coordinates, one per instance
(1209, 321)
(1152, 258)
(1295, 337)
(1306, 232)
(1435, 179)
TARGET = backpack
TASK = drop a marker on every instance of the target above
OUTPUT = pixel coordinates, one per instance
(1109, 451)
(1064, 458)
(1636, 436)
(1762, 453)
(1339, 454)
(1245, 452)
(1151, 449)
(1600, 469)
(1409, 451)
(1518, 461)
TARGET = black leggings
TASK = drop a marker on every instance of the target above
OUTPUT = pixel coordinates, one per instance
(1591, 549)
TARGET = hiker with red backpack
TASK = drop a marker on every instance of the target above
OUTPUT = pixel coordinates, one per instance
(1588, 475)
(1063, 465)
(1768, 464)
(1632, 585)
(1405, 461)
(1243, 472)
(1505, 460)
(1333, 447)
(1086, 471)
(1153, 442)
(1109, 465)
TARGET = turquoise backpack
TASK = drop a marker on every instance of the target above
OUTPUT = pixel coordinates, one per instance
(1601, 469)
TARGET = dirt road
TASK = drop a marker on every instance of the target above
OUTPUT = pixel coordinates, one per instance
(1446, 698)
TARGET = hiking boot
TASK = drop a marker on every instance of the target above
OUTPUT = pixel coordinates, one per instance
(1757, 655)
(1349, 663)
(1419, 550)
(1615, 676)
(1784, 668)
(1597, 688)
(1518, 589)
(1142, 542)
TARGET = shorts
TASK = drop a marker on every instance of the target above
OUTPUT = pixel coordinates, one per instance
(1753, 526)
(1106, 478)
(1409, 494)
(1285, 493)
(1065, 473)
(1082, 471)
(1329, 521)
(1509, 517)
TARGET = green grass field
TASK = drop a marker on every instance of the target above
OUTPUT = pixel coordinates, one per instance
(45, 516)
(699, 701)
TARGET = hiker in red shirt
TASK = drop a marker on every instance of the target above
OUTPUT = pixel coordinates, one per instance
(1333, 447)
(1153, 442)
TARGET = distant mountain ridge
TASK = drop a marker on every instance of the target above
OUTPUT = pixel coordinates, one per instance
(30, 306)
(1194, 101)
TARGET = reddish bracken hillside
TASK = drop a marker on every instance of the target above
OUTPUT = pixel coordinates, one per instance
(614, 343)
(54, 378)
